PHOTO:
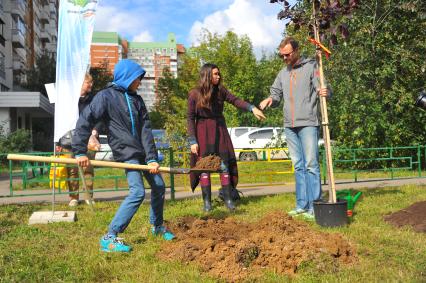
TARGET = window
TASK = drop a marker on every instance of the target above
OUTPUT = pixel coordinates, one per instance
(239, 132)
(262, 134)
(3, 87)
(2, 66)
(18, 25)
(2, 39)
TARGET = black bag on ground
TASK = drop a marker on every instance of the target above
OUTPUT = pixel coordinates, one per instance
(235, 194)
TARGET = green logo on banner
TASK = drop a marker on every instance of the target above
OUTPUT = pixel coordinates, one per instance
(81, 3)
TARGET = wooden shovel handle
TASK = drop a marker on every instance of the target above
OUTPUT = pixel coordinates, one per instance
(96, 163)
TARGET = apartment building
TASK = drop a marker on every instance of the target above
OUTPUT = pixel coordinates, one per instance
(107, 49)
(6, 79)
(28, 29)
(154, 57)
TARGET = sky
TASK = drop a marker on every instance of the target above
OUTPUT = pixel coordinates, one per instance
(152, 20)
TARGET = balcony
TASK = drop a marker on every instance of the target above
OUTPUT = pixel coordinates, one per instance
(18, 39)
(20, 52)
(18, 8)
(18, 66)
(44, 35)
(1, 9)
(44, 17)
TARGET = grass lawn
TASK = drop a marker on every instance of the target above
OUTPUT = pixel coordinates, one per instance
(69, 252)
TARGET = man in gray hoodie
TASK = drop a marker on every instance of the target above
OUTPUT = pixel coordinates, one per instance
(298, 85)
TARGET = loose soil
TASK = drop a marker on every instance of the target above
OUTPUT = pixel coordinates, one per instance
(234, 251)
(414, 216)
(210, 162)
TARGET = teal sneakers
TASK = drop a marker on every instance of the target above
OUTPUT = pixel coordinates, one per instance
(114, 244)
(161, 230)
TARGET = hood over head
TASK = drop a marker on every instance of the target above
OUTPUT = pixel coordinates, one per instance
(126, 71)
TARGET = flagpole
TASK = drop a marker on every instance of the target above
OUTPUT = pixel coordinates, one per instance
(54, 181)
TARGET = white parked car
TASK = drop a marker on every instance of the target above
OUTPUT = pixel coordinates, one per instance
(235, 132)
(259, 138)
(105, 151)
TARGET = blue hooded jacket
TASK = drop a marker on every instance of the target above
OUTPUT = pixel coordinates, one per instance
(126, 71)
(125, 116)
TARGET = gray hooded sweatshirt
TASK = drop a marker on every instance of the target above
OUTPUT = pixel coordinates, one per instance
(298, 87)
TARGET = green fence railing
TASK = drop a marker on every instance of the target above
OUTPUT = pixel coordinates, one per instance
(270, 166)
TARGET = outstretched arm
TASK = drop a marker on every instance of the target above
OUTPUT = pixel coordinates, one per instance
(241, 104)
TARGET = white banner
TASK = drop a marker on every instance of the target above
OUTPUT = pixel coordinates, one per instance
(75, 29)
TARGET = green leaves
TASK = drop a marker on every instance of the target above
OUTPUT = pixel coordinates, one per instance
(43, 73)
(241, 73)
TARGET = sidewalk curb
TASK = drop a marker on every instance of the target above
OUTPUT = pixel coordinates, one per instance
(253, 190)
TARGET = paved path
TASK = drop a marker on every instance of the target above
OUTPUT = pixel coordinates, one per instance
(247, 190)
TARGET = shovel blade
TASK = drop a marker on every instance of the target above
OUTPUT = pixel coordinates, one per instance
(191, 170)
(196, 170)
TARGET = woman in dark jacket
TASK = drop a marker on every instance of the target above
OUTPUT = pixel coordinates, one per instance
(208, 132)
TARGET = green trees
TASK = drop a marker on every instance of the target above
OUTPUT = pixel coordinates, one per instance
(43, 73)
(378, 74)
(18, 141)
(242, 74)
(101, 76)
(377, 68)
(170, 109)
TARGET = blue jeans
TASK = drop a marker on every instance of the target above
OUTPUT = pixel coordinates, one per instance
(134, 199)
(303, 147)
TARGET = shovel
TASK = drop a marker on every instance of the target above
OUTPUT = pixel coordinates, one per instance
(110, 164)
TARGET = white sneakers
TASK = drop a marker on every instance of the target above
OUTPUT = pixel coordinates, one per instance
(88, 201)
(74, 202)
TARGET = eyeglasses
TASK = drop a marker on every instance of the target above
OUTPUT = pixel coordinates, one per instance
(285, 55)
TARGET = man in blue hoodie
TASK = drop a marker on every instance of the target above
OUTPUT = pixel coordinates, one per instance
(130, 137)
(298, 85)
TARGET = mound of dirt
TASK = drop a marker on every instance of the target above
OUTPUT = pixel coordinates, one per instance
(232, 250)
(413, 216)
(210, 162)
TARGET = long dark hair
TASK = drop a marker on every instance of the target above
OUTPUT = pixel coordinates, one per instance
(207, 90)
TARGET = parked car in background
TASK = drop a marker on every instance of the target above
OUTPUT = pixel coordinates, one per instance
(105, 152)
(235, 132)
(160, 138)
(267, 137)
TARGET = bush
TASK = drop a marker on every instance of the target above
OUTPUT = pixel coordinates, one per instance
(18, 141)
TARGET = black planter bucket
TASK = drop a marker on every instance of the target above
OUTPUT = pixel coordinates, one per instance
(331, 214)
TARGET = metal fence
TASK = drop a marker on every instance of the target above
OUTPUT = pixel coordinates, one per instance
(269, 166)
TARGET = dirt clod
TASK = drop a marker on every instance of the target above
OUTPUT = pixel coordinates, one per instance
(210, 162)
(235, 251)
(413, 216)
